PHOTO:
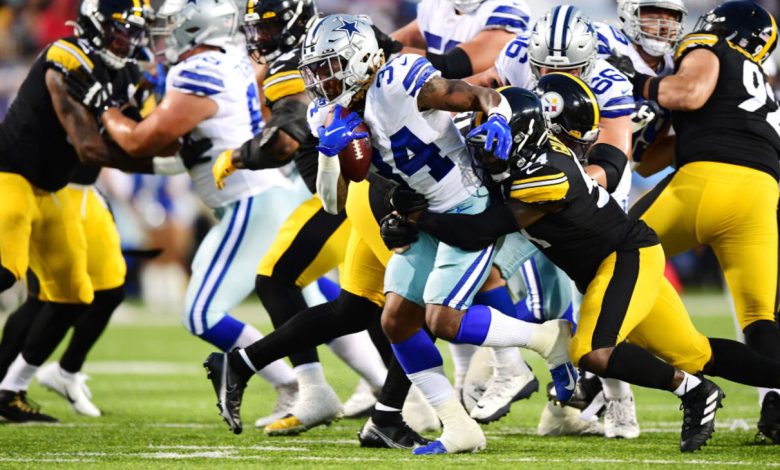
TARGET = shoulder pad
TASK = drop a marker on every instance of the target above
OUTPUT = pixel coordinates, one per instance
(199, 77)
(68, 55)
(284, 78)
(407, 72)
(511, 15)
(538, 183)
(694, 41)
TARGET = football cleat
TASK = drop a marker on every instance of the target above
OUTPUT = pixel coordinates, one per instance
(17, 408)
(564, 420)
(478, 375)
(418, 413)
(620, 419)
(73, 388)
(286, 395)
(769, 422)
(461, 433)
(362, 401)
(565, 381)
(317, 405)
(395, 436)
(699, 406)
(229, 387)
(501, 391)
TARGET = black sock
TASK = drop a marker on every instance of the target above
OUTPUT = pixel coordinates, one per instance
(7, 279)
(378, 337)
(735, 361)
(48, 329)
(88, 328)
(283, 300)
(15, 331)
(630, 363)
(763, 336)
(238, 365)
(393, 395)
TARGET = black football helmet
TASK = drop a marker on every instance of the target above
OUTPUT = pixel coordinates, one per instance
(114, 28)
(746, 25)
(529, 134)
(571, 109)
(273, 27)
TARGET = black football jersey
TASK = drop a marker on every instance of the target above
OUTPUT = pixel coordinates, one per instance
(33, 143)
(590, 226)
(740, 123)
(284, 79)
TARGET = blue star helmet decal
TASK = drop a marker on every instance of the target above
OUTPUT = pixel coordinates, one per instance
(349, 27)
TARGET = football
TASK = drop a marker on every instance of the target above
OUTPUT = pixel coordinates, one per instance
(355, 158)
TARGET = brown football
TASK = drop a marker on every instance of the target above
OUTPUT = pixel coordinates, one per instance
(355, 158)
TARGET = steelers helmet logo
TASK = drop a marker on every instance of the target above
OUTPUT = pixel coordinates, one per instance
(552, 103)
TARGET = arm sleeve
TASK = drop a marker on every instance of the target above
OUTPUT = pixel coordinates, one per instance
(611, 160)
(327, 183)
(289, 115)
(470, 232)
(453, 64)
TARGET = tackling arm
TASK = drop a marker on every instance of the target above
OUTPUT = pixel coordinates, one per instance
(458, 95)
(689, 88)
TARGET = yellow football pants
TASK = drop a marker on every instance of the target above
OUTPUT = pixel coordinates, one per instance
(733, 209)
(42, 230)
(630, 299)
(367, 256)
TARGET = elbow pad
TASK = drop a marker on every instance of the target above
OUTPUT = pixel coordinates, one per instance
(453, 64)
(612, 160)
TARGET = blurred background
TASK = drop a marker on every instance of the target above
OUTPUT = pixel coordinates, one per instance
(162, 212)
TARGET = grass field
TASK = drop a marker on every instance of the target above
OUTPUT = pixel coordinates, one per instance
(159, 412)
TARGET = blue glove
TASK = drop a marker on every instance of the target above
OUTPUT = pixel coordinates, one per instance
(339, 133)
(495, 128)
(157, 80)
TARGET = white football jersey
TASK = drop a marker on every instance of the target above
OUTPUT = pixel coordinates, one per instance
(444, 28)
(422, 149)
(614, 93)
(228, 79)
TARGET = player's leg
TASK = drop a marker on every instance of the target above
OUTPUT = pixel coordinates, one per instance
(18, 210)
(18, 324)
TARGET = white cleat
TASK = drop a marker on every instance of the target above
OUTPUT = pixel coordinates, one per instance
(317, 405)
(561, 420)
(461, 433)
(362, 401)
(73, 388)
(286, 396)
(500, 393)
(418, 414)
(620, 419)
(477, 377)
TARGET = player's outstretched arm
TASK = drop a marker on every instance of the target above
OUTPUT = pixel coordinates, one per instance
(410, 36)
(457, 96)
(689, 88)
(177, 114)
(82, 129)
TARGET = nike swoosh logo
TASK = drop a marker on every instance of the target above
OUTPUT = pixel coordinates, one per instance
(571, 384)
(459, 210)
(531, 171)
(329, 132)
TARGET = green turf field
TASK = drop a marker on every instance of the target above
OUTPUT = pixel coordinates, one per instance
(159, 412)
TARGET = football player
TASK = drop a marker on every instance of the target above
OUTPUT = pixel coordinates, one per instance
(724, 192)
(212, 93)
(43, 140)
(431, 279)
(462, 37)
(311, 242)
(633, 325)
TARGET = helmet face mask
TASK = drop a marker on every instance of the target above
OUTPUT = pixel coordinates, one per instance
(745, 25)
(273, 27)
(563, 40)
(324, 79)
(656, 26)
(262, 38)
(116, 29)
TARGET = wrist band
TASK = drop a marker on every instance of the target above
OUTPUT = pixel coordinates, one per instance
(503, 109)
(652, 92)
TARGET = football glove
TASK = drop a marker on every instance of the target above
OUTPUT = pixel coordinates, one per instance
(497, 133)
(623, 63)
(405, 200)
(193, 152)
(644, 114)
(223, 167)
(85, 88)
(339, 133)
(397, 232)
(389, 46)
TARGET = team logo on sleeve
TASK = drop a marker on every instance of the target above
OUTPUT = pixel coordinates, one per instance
(552, 104)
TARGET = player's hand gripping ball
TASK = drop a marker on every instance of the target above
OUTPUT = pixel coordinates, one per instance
(348, 137)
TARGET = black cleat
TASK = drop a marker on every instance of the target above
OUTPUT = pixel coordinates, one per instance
(229, 387)
(699, 406)
(769, 422)
(395, 436)
(16, 408)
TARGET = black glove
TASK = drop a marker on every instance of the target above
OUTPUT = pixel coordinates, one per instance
(405, 200)
(397, 232)
(193, 152)
(389, 45)
(622, 63)
(85, 88)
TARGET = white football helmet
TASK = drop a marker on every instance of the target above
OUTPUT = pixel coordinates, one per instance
(184, 24)
(340, 55)
(563, 40)
(466, 6)
(655, 36)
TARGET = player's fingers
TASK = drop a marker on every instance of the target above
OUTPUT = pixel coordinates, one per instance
(359, 135)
